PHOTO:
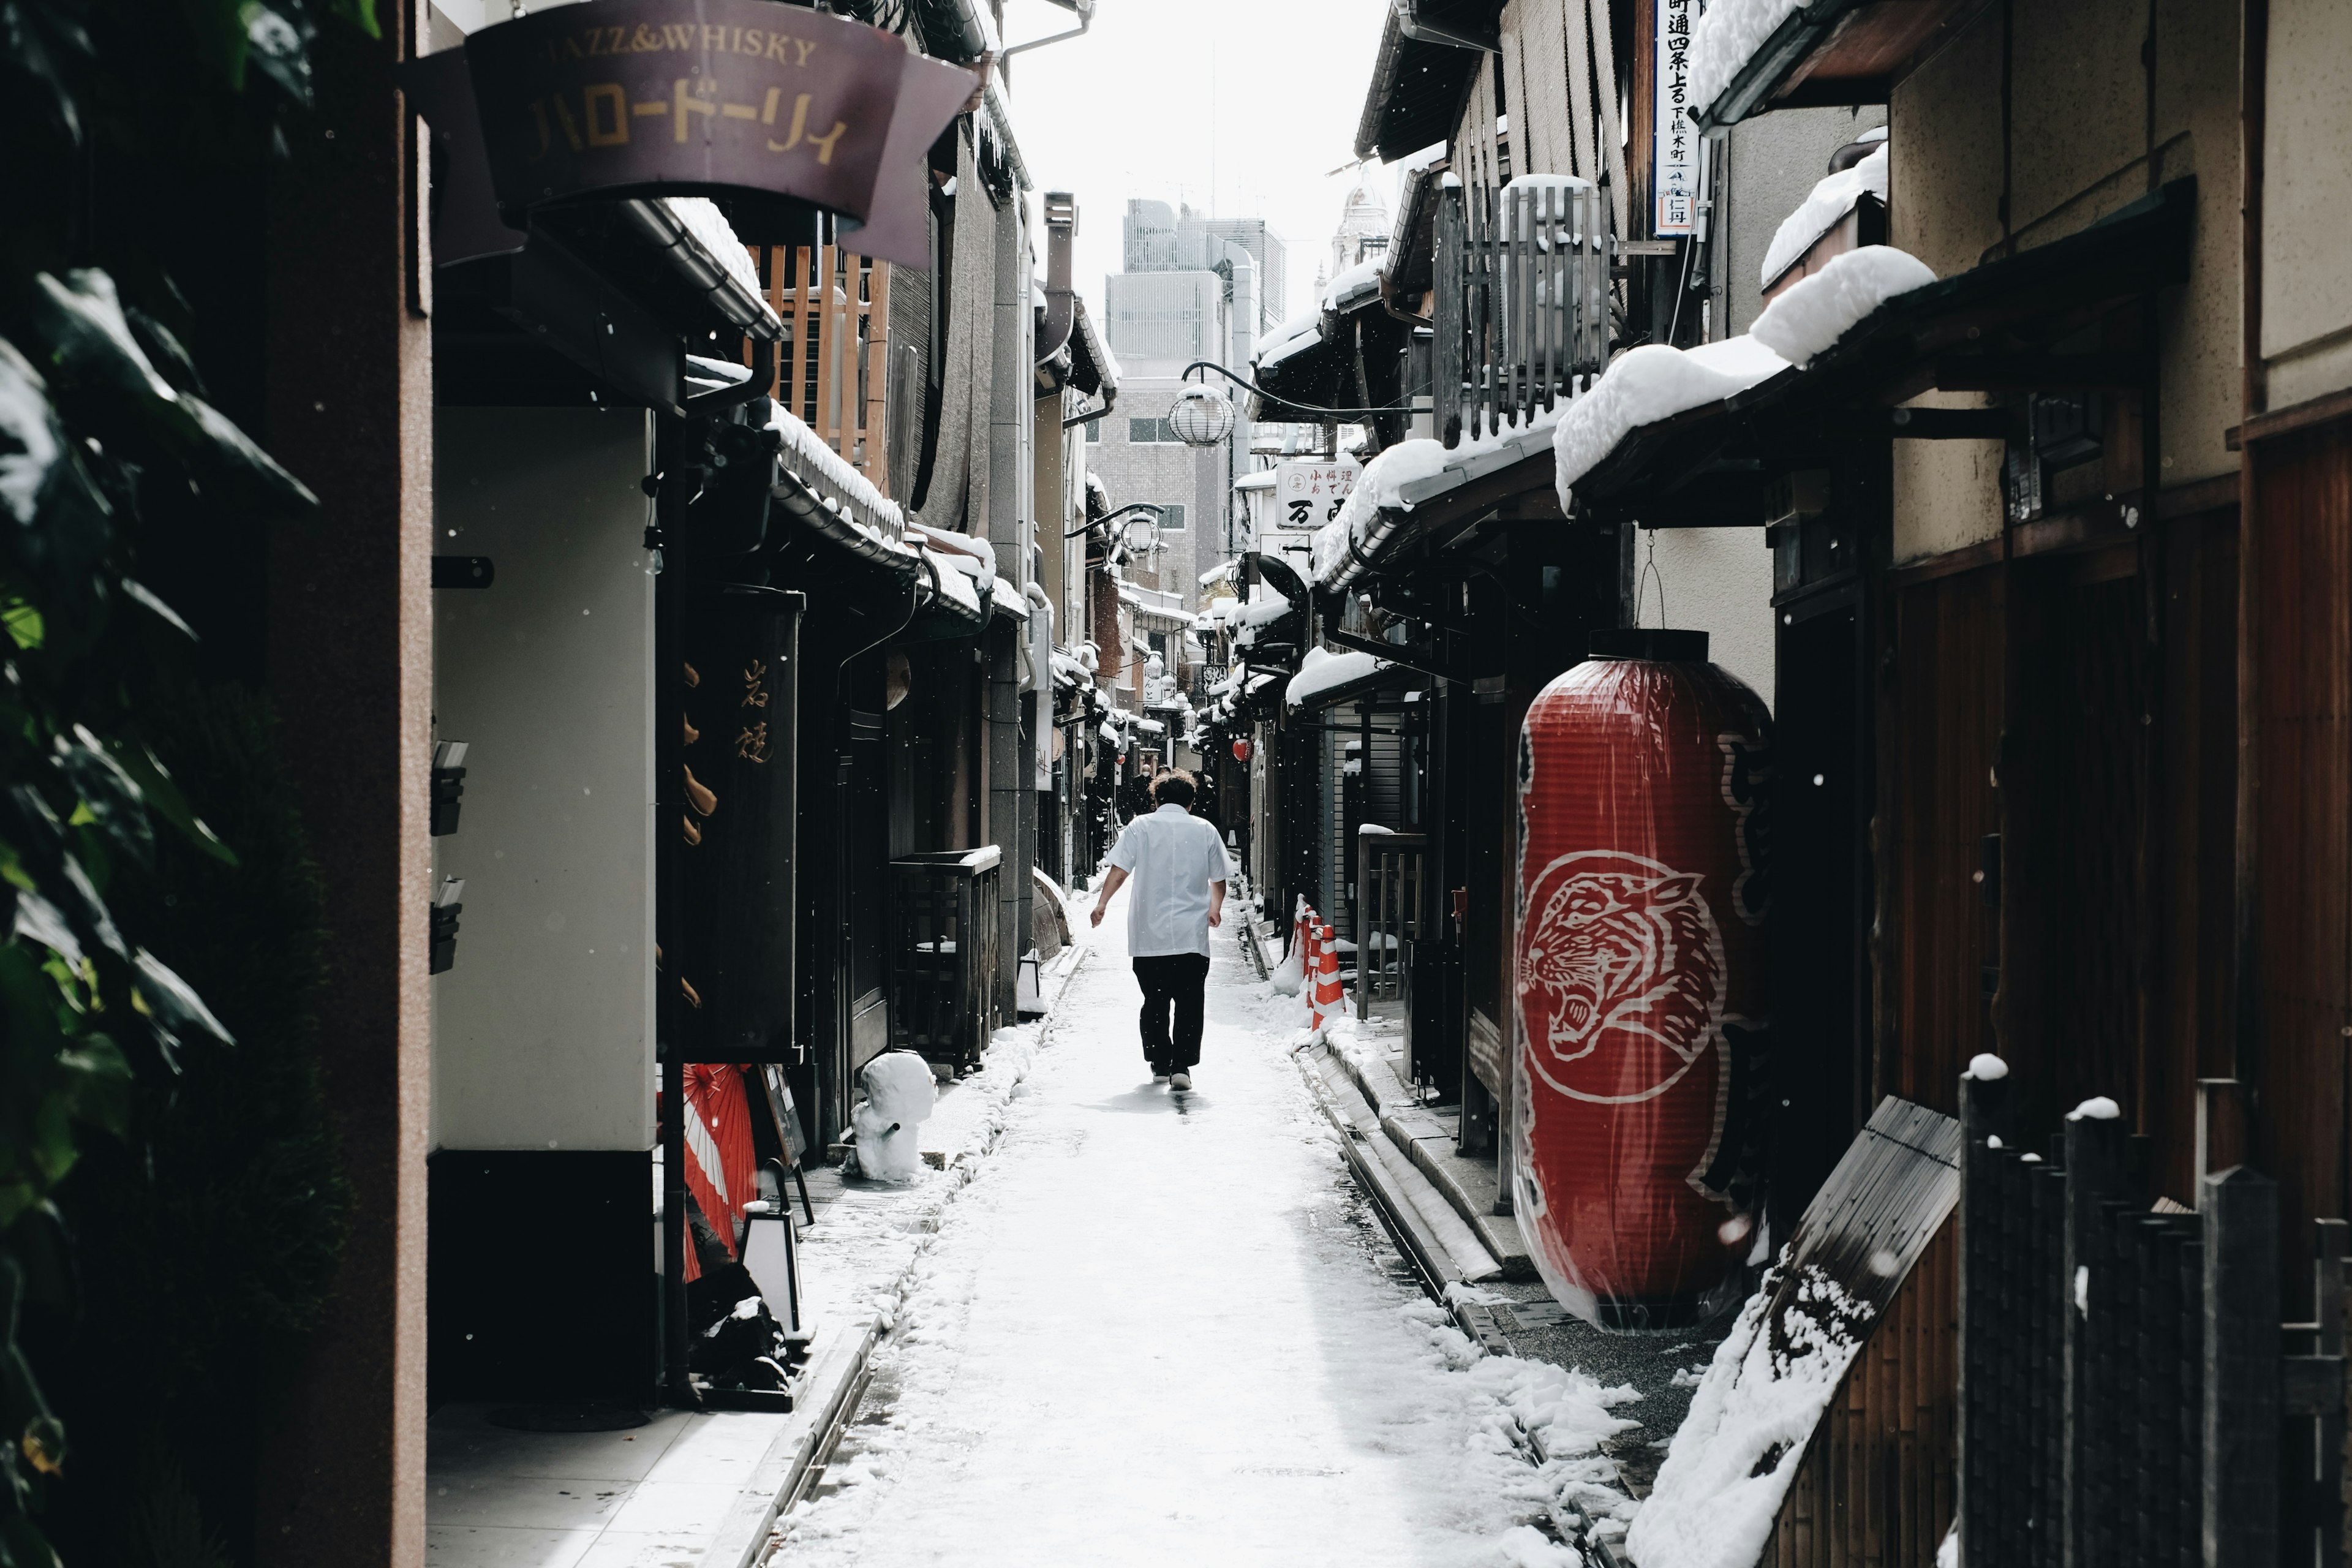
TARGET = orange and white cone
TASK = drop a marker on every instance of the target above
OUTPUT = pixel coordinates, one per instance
(1328, 997)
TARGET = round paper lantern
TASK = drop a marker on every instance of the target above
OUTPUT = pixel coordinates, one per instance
(1201, 416)
(1640, 979)
(1241, 751)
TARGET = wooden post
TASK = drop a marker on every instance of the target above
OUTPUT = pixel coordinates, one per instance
(1982, 1102)
(2242, 1407)
(2094, 1174)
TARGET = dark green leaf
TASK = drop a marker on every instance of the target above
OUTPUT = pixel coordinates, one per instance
(63, 521)
(361, 13)
(164, 795)
(238, 473)
(165, 349)
(279, 45)
(36, 42)
(172, 1008)
(108, 793)
(139, 593)
(39, 921)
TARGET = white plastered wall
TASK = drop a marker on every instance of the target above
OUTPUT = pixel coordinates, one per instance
(1717, 580)
(543, 1033)
(2307, 201)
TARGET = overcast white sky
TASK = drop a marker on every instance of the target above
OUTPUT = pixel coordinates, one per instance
(1235, 105)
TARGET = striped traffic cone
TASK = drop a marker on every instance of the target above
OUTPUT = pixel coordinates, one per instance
(1328, 994)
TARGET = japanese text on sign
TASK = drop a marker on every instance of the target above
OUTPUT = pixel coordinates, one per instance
(1674, 156)
(1307, 495)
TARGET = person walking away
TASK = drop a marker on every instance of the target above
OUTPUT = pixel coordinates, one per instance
(1178, 864)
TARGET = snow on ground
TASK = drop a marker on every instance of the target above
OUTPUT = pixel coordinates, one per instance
(1160, 1328)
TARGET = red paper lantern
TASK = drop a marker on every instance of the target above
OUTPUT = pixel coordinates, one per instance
(1241, 751)
(1640, 978)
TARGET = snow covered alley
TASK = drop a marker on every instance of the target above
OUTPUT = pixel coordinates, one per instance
(1162, 1328)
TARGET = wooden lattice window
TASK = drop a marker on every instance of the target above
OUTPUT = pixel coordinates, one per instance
(831, 368)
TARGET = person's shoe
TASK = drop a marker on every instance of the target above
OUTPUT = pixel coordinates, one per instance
(1180, 1079)
(1160, 1072)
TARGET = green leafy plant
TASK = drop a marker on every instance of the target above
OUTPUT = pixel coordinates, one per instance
(106, 435)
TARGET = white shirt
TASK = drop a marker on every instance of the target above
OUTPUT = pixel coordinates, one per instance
(1172, 856)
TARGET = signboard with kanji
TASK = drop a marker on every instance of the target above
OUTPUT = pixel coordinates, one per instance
(1674, 151)
(1308, 494)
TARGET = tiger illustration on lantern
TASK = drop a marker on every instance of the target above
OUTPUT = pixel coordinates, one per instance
(1639, 980)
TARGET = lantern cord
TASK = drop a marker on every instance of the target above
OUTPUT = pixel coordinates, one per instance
(1285, 402)
(1650, 575)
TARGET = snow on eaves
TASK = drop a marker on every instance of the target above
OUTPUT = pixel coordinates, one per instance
(1322, 671)
(1306, 323)
(1831, 200)
(1814, 312)
(711, 230)
(1727, 38)
(1349, 287)
(954, 583)
(1381, 486)
(808, 455)
(1647, 384)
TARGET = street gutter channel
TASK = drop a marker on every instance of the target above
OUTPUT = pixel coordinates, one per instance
(841, 1371)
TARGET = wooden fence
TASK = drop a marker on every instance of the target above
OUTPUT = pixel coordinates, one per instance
(2129, 1395)
(832, 365)
(1522, 307)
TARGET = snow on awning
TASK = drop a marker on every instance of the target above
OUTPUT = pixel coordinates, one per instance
(1407, 475)
(1263, 479)
(815, 462)
(954, 587)
(1325, 677)
(1831, 200)
(1650, 384)
(1008, 601)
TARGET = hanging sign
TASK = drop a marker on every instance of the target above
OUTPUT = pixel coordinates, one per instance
(1307, 495)
(1674, 140)
(717, 98)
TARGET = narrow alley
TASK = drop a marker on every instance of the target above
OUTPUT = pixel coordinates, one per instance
(1163, 1328)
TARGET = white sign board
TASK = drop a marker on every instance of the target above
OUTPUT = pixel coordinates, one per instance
(1307, 495)
(1674, 144)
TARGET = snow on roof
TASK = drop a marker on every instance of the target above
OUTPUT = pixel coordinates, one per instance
(806, 454)
(1008, 601)
(711, 228)
(1814, 312)
(1306, 324)
(1413, 163)
(1647, 384)
(1263, 479)
(1831, 200)
(1381, 486)
(1322, 671)
(1289, 347)
(1345, 288)
(954, 583)
(1727, 38)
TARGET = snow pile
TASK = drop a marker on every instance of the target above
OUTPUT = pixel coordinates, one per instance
(1831, 201)
(808, 454)
(899, 1093)
(1986, 1068)
(1738, 1451)
(1650, 384)
(1322, 671)
(1541, 209)
(2098, 1107)
(1818, 310)
(1727, 38)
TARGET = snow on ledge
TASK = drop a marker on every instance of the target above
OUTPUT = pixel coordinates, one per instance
(1322, 671)
(1751, 1422)
(1818, 310)
(1726, 38)
(1650, 384)
(1831, 200)
(808, 455)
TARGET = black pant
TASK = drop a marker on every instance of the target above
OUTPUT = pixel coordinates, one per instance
(1180, 978)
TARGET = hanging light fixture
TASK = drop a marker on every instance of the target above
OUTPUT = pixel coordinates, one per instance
(1201, 417)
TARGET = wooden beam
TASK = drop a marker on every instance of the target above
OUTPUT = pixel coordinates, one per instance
(2041, 373)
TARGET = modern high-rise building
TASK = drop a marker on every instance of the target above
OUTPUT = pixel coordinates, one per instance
(1163, 239)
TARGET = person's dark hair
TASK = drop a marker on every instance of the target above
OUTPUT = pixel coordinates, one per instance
(1172, 786)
